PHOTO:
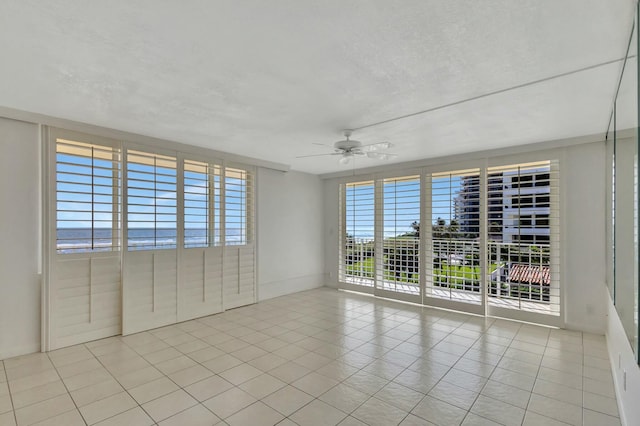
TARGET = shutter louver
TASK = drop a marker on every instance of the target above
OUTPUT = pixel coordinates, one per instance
(201, 204)
(151, 201)
(400, 235)
(88, 197)
(238, 207)
(453, 251)
(523, 237)
(357, 265)
(85, 272)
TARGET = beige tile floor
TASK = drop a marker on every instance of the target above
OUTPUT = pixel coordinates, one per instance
(319, 357)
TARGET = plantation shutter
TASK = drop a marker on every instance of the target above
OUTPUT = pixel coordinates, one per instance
(238, 270)
(202, 254)
(399, 234)
(84, 273)
(523, 237)
(357, 260)
(150, 262)
(453, 237)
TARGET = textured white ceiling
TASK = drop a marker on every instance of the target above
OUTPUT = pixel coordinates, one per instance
(267, 79)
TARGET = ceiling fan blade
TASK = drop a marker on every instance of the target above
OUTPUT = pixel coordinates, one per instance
(377, 155)
(377, 146)
(321, 144)
(318, 155)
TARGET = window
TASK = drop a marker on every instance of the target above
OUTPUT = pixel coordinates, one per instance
(522, 202)
(87, 197)
(151, 201)
(238, 196)
(542, 201)
(524, 256)
(542, 220)
(455, 231)
(543, 179)
(401, 234)
(525, 221)
(357, 251)
(202, 190)
(522, 181)
(489, 237)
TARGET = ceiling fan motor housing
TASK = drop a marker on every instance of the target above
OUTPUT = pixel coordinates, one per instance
(347, 145)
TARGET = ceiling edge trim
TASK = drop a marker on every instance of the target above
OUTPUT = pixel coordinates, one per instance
(42, 119)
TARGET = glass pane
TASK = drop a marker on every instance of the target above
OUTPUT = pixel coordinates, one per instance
(151, 201)
(455, 229)
(401, 235)
(357, 265)
(625, 196)
(87, 197)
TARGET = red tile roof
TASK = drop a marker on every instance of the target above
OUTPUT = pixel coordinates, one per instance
(534, 274)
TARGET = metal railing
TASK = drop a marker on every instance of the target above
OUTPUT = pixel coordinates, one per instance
(358, 261)
(521, 271)
(456, 265)
(515, 271)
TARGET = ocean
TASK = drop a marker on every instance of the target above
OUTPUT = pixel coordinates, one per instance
(74, 240)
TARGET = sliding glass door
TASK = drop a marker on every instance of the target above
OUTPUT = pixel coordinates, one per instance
(357, 248)
(454, 247)
(398, 238)
(484, 240)
(523, 242)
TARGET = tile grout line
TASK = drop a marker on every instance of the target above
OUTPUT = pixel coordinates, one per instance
(488, 378)
(66, 388)
(328, 328)
(127, 390)
(13, 407)
(526, 409)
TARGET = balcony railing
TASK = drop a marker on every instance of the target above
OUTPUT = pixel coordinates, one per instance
(517, 272)
(522, 271)
(456, 265)
(401, 265)
(359, 261)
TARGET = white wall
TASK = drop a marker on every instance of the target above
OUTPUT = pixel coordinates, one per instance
(290, 232)
(19, 242)
(582, 172)
(331, 220)
(583, 223)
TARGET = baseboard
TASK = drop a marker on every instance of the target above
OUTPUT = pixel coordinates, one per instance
(581, 327)
(21, 350)
(291, 285)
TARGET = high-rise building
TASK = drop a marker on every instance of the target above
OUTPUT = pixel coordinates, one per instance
(517, 205)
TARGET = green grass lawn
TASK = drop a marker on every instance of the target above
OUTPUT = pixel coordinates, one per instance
(363, 268)
(455, 276)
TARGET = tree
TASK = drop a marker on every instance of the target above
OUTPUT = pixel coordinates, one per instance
(416, 228)
(415, 233)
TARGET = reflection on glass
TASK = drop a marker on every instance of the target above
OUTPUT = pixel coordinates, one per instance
(624, 218)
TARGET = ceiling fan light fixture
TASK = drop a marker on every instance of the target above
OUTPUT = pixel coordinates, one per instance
(378, 155)
(373, 154)
(345, 159)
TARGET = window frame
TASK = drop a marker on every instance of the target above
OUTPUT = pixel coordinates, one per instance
(116, 246)
(151, 152)
(555, 156)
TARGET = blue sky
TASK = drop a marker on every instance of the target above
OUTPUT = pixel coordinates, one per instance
(401, 205)
(148, 207)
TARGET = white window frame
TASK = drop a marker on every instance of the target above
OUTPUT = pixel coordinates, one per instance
(246, 251)
(556, 156)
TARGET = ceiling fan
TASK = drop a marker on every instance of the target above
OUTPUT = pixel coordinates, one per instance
(350, 148)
